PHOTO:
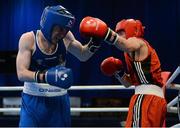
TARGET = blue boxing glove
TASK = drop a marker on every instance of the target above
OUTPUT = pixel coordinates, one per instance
(56, 76)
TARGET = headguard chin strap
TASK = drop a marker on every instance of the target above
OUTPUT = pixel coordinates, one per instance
(55, 15)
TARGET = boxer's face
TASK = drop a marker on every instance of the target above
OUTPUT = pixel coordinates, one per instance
(122, 33)
(58, 33)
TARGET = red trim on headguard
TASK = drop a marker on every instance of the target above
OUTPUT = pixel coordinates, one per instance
(132, 28)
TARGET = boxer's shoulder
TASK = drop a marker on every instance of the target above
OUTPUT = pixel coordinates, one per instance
(27, 40)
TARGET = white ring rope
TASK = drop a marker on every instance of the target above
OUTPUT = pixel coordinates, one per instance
(85, 87)
(101, 87)
(172, 109)
(173, 76)
(76, 109)
(82, 87)
(173, 102)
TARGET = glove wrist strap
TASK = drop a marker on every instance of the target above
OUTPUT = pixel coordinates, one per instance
(119, 74)
(38, 78)
(111, 37)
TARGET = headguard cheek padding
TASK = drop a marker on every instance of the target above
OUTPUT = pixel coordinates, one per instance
(55, 15)
(132, 28)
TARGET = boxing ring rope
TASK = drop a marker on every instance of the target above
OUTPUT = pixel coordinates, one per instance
(173, 76)
(170, 107)
(82, 87)
(77, 109)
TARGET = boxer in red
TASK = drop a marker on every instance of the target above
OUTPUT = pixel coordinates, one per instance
(147, 107)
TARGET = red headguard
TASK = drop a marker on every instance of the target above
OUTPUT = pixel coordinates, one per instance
(132, 28)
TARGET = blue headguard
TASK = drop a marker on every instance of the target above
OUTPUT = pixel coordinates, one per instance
(55, 15)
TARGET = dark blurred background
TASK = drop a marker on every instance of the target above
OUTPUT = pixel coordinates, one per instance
(160, 17)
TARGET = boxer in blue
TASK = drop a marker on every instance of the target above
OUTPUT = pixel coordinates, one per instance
(42, 59)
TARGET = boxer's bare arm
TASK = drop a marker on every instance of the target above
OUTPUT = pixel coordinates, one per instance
(128, 45)
(24, 57)
(76, 48)
(133, 44)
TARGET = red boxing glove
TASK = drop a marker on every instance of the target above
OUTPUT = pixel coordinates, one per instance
(111, 65)
(93, 27)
